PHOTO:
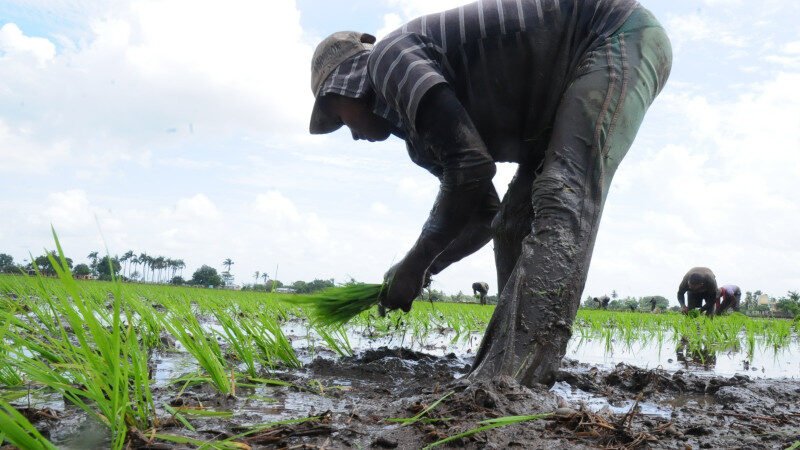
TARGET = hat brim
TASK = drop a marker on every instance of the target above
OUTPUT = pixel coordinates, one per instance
(322, 122)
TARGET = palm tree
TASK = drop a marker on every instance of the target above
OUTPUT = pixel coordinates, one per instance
(158, 264)
(144, 259)
(135, 263)
(180, 265)
(255, 277)
(93, 257)
(125, 258)
(228, 263)
(265, 276)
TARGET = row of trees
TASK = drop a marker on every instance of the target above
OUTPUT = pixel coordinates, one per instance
(158, 269)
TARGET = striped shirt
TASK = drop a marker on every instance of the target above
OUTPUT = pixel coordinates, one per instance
(508, 62)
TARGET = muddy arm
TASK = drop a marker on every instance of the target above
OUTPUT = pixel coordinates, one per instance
(476, 234)
(466, 180)
(684, 286)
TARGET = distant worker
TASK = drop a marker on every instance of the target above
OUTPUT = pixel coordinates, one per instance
(479, 287)
(730, 294)
(602, 302)
(701, 285)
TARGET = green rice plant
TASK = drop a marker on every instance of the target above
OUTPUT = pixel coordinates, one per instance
(17, 430)
(83, 351)
(336, 339)
(421, 414)
(267, 336)
(201, 444)
(184, 326)
(9, 377)
(238, 340)
(488, 425)
(337, 305)
(179, 417)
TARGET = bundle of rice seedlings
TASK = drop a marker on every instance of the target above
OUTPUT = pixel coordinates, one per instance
(336, 306)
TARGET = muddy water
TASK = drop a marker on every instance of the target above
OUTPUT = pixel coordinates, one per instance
(765, 362)
(390, 373)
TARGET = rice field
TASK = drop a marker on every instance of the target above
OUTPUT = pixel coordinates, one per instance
(118, 351)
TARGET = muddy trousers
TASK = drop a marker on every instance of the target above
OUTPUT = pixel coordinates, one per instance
(549, 217)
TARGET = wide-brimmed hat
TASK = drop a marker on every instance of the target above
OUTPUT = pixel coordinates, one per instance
(330, 53)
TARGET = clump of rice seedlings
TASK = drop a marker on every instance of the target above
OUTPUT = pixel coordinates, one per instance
(184, 326)
(74, 345)
(237, 340)
(17, 430)
(488, 425)
(336, 306)
(273, 345)
(336, 339)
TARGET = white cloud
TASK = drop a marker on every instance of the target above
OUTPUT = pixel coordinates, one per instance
(69, 210)
(418, 189)
(379, 208)
(149, 67)
(15, 45)
(197, 207)
(685, 29)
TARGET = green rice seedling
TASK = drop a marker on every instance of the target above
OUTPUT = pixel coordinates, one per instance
(337, 305)
(237, 339)
(85, 352)
(336, 339)
(424, 412)
(200, 412)
(17, 430)
(201, 444)
(255, 429)
(488, 425)
(8, 375)
(179, 417)
(184, 326)
(267, 336)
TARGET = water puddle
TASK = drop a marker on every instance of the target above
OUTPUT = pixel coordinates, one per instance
(596, 403)
(766, 362)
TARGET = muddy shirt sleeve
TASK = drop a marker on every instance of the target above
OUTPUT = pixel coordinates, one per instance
(682, 288)
(402, 68)
(448, 133)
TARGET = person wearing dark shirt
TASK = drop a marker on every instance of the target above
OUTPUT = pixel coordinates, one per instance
(602, 302)
(482, 288)
(557, 87)
(698, 285)
(731, 295)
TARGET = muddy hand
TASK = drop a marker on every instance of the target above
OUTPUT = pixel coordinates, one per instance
(404, 283)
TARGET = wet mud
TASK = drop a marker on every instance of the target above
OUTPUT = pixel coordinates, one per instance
(353, 401)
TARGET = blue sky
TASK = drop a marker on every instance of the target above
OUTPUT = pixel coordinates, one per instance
(179, 128)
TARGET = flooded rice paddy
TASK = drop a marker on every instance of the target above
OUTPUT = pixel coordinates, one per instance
(246, 370)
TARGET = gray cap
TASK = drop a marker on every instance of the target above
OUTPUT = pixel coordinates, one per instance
(332, 51)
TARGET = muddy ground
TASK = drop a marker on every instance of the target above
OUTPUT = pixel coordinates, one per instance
(353, 397)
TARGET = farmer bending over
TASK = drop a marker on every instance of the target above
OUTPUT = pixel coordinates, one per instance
(700, 284)
(730, 294)
(557, 87)
(602, 302)
(479, 287)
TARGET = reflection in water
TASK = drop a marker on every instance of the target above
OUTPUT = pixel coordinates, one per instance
(699, 356)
